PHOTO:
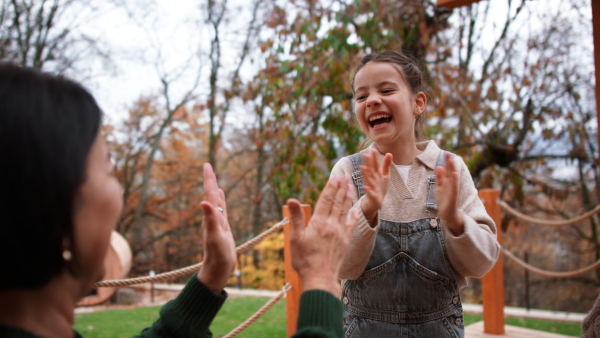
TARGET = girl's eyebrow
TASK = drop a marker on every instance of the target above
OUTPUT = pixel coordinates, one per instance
(380, 84)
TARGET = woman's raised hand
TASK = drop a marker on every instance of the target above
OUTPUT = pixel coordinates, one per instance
(220, 257)
(446, 191)
(317, 250)
(376, 181)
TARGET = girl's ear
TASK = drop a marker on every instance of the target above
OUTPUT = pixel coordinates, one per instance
(420, 103)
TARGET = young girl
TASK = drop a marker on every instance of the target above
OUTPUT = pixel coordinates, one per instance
(422, 230)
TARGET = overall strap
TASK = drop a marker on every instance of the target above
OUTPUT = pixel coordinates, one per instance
(357, 160)
(441, 162)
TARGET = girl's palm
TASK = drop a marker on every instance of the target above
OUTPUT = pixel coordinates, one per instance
(446, 192)
(376, 181)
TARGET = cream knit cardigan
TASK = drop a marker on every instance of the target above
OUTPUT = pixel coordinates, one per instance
(471, 254)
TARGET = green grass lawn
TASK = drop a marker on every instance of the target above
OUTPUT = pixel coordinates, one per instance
(569, 329)
(127, 323)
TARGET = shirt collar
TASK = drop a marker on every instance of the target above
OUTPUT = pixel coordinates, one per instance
(430, 153)
(428, 157)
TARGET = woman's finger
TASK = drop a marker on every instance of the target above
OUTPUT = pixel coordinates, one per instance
(347, 203)
(211, 188)
(222, 202)
(211, 222)
(296, 217)
(339, 197)
(351, 222)
(326, 199)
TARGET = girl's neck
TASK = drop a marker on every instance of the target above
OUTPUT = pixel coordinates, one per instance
(403, 155)
(46, 312)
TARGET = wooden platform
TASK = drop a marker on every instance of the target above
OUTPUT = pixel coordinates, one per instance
(475, 330)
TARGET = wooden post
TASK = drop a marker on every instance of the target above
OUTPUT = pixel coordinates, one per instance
(292, 298)
(492, 284)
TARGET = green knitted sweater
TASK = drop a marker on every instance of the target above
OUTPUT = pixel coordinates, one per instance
(190, 315)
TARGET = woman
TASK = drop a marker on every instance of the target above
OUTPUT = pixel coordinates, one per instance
(59, 203)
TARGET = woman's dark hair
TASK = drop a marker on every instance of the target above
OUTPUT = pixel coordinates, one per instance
(410, 70)
(47, 127)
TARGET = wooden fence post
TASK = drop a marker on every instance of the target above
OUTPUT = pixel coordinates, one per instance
(492, 284)
(292, 298)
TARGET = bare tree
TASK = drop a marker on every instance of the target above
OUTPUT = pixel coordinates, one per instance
(219, 108)
(46, 34)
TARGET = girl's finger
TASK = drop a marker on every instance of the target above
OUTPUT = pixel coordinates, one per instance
(367, 173)
(375, 160)
(454, 183)
(449, 164)
(386, 164)
(364, 169)
(366, 160)
(439, 173)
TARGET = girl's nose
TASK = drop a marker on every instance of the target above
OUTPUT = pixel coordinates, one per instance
(373, 100)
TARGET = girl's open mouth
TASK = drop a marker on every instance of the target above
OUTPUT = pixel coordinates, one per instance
(377, 120)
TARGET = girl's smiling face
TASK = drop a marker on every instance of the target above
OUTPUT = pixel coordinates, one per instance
(385, 106)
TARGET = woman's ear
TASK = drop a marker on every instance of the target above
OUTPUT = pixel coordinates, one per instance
(420, 103)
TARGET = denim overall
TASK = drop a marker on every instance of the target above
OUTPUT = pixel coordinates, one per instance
(408, 288)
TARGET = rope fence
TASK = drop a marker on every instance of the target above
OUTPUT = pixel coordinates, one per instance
(193, 268)
(546, 273)
(533, 220)
(258, 313)
(190, 269)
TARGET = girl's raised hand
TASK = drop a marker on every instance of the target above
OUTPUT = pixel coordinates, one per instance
(376, 181)
(220, 257)
(446, 191)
